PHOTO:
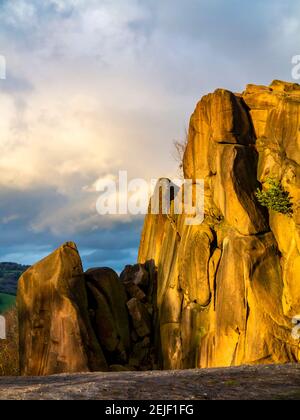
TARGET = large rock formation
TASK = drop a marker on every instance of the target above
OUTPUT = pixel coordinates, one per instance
(229, 288)
(220, 293)
(71, 321)
(56, 335)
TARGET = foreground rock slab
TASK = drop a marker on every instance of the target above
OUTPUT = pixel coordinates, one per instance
(241, 383)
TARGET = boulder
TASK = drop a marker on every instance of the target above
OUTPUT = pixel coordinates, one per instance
(137, 275)
(107, 302)
(140, 317)
(56, 335)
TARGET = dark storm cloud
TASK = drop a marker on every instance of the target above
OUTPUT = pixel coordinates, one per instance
(99, 246)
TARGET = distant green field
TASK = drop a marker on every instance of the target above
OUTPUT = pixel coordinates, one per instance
(6, 302)
(9, 276)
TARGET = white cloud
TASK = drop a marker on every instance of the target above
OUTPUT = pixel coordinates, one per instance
(18, 12)
(11, 218)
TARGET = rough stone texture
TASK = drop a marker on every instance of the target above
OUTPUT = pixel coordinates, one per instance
(140, 317)
(227, 290)
(72, 321)
(55, 331)
(243, 383)
(137, 275)
(140, 284)
(107, 304)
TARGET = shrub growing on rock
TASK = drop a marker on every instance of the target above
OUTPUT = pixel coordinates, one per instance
(275, 198)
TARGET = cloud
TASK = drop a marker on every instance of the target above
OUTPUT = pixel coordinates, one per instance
(97, 87)
(99, 242)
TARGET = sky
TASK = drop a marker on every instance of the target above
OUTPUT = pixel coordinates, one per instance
(95, 87)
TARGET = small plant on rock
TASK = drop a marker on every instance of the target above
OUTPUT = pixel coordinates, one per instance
(275, 198)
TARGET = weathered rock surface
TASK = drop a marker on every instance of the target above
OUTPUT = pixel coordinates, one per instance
(107, 304)
(140, 284)
(140, 318)
(242, 383)
(72, 321)
(56, 335)
(229, 288)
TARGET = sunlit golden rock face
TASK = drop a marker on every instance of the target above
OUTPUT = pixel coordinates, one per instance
(56, 335)
(229, 289)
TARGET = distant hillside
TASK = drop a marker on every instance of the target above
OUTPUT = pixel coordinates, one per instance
(6, 302)
(9, 276)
